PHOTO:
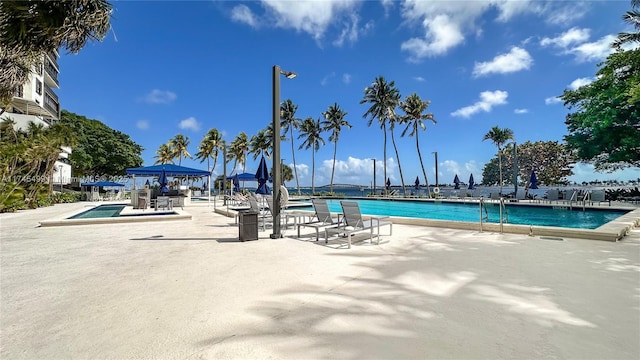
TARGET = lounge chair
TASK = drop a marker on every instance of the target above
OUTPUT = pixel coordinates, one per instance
(552, 195)
(598, 196)
(354, 223)
(264, 216)
(321, 219)
(521, 194)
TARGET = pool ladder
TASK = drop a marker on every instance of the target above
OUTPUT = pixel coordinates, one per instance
(504, 214)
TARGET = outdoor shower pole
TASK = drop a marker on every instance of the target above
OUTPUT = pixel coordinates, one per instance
(374, 177)
(515, 169)
(436, 155)
(277, 169)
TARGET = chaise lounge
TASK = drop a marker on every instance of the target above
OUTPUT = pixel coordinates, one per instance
(353, 223)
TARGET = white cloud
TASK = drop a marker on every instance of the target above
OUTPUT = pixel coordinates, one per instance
(325, 80)
(241, 13)
(346, 78)
(520, 111)
(580, 82)
(593, 51)
(552, 100)
(351, 32)
(570, 37)
(311, 17)
(142, 124)
(564, 12)
(441, 35)
(488, 99)
(444, 24)
(159, 97)
(189, 124)
(515, 60)
(419, 79)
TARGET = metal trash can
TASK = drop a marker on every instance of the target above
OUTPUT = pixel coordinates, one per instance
(248, 225)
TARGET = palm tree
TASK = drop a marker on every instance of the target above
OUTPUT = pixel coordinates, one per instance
(499, 137)
(333, 122)
(383, 97)
(260, 144)
(164, 155)
(414, 107)
(52, 24)
(289, 122)
(311, 131)
(179, 145)
(210, 148)
(632, 17)
(238, 150)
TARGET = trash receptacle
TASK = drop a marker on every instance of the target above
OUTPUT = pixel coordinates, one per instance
(248, 225)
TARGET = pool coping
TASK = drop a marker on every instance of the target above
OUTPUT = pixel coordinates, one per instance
(131, 216)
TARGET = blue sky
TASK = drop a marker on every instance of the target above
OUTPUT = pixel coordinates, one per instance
(184, 67)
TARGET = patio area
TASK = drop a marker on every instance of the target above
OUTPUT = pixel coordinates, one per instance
(188, 289)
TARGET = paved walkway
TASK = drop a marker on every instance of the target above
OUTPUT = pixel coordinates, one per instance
(188, 289)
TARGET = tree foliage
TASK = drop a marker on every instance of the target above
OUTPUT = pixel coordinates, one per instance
(551, 160)
(605, 127)
(101, 151)
(29, 29)
(27, 161)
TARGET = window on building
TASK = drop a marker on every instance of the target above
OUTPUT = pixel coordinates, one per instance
(39, 87)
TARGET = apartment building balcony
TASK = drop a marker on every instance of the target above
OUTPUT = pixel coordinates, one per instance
(51, 74)
(49, 110)
(51, 102)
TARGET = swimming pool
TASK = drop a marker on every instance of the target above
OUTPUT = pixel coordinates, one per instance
(102, 211)
(469, 212)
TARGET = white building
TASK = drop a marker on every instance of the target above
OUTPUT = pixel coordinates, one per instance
(36, 102)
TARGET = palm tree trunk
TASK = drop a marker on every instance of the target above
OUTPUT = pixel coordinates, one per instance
(333, 168)
(293, 156)
(384, 129)
(393, 140)
(426, 181)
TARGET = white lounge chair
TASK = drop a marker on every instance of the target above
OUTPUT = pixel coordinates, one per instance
(598, 196)
(353, 223)
(322, 218)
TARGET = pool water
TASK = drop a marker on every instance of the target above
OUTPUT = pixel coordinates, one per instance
(102, 211)
(516, 214)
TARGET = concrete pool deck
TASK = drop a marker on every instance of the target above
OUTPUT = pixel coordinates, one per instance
(188, 289)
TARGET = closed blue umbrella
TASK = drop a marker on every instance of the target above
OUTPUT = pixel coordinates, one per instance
(388, 183)
(457, 182)
(471, 182)
(417, 183)
(533, 180)
(162, 180)
(236, 183)
(262, 175)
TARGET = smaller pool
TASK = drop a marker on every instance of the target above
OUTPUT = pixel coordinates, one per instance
(102, 211)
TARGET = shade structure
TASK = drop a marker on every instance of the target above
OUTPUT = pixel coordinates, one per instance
(162, 180)
(388, 184)
(456, 181)
(236, 183)
(169, 169)
(102, 184)
(472, 183)
(245, 177)
(533, 180)
(417, 182)
(262, 175)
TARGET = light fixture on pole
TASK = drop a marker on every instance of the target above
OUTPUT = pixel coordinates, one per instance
(277, 169)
